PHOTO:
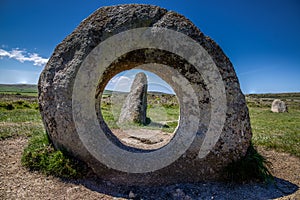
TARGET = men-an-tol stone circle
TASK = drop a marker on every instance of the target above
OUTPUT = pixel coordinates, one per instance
(134, 109)
(278, 106)
(213, 128)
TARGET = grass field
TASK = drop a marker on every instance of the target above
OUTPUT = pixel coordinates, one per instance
(160, 114)
(19, 116)
(19, 89)
(279, 131)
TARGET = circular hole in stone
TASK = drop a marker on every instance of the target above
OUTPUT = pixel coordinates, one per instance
(140, 109)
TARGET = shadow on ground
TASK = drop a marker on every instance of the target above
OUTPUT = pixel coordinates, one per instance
(211, 190)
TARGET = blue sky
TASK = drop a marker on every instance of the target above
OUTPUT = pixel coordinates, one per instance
(261, 37)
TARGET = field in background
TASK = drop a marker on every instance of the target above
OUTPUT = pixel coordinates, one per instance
(19, 89)
(279, 131)
(19, 116)
(162, 111)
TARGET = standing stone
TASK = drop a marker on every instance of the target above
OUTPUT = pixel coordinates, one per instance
(69, 107)
(278, 106)
(134, 109)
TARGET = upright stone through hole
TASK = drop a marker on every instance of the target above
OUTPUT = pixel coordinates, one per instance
(134, 109)
(140, 109)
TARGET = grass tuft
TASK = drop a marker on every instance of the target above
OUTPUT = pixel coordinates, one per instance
(252, 167)
(41, 156)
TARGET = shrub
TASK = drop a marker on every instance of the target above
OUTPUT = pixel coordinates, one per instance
(10, 106)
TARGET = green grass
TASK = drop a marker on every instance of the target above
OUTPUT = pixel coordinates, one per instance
(19, 117)
(162, 116)
(30, 94)
(163, 113)
(18, 88)
(18, 104)
(109, 116)
(282, 96)
(8, 130)
(40, 155)
(252, 166)
(279, 131)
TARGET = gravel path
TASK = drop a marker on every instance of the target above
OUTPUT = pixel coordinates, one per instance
(16, 182)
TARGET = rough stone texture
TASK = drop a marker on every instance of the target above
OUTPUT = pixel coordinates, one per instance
(278, 106)
(57, 80)
(134, 109)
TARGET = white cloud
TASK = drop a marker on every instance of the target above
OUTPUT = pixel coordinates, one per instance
(22, 56)
(119, 83)
(4, 53)
(160, 86)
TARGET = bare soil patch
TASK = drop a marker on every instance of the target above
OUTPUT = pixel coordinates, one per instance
(17, 182)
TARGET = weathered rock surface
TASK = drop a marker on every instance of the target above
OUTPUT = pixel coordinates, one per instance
(134, 109)
(193, 154)
(278, 106)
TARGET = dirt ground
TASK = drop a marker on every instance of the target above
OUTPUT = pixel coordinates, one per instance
(17, 182)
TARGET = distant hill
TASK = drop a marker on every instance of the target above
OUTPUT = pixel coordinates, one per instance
(18, 88)
(290, 95)
(32, 88)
